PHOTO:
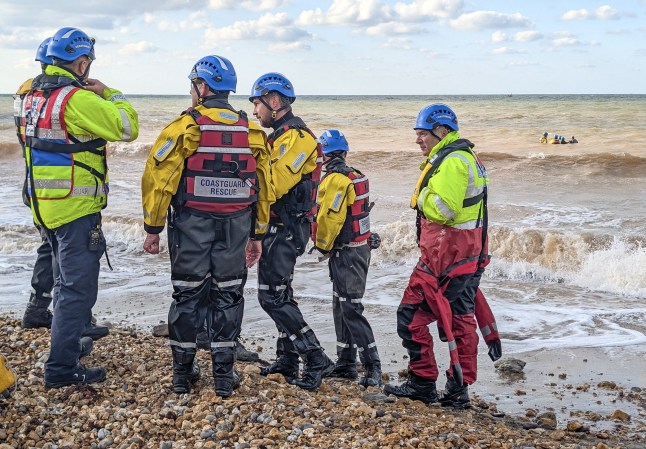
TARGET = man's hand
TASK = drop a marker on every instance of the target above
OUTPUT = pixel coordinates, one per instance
(95, 86)
(253, 251)
(151, 244)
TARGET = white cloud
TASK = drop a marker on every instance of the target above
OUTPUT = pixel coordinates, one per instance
(260, 5)
(135, 48)
(311, 17)
(425, 10)
(289, 46)
(270, 27)
(527, 36)
(358, 12)
(506, 51)
(398, 43)
(480, 20)
(523, 63)
(498, 36)
(394, 28)
(195, 21)
(605, 12)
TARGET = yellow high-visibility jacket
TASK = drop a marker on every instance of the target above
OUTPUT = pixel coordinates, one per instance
(459, 178)
(65, 192)
(165, 165)
(293, 154)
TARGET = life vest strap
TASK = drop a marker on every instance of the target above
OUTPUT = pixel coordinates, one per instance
(91, 146)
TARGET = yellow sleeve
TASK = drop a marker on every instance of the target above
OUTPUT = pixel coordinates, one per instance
(111, 118)
(336, 193)
(164, 168)
(24, 87)
(266, 195)
(293, 155)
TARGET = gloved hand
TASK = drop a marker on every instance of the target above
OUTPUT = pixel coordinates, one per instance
(374, 241)
(323, 257)
(495, 350)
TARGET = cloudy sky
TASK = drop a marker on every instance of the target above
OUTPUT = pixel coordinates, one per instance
(347, 46)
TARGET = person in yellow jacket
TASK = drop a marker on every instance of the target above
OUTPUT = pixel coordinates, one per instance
(451, 200)
(343, 237)
(295, 173)
(67, 119)
(37, 312)
(7, 378)
(208, 174)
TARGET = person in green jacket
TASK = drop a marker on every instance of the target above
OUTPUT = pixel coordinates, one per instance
(67, 120)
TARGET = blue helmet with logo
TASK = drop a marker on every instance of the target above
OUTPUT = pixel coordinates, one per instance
(41, 53)
(435, 115)
(333, 140)
(217, 72)
(69, 43)
(272, 82)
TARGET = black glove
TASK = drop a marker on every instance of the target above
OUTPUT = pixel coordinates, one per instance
(495, 350)
(374, 241)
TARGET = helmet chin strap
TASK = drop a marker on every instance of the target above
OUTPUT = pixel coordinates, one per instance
(200, 98)
(274, 112)
(435, 135)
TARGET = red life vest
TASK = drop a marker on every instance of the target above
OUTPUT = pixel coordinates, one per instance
(301, 199)
(220, 177)
(357, 221)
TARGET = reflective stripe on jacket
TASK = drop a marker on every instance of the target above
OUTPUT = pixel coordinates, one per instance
(343, 213)
(65, 147)
(166, 162)
(444, 196)
(296, 159)
(220, 177)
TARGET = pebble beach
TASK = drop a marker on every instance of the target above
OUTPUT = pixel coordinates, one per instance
(135, 408)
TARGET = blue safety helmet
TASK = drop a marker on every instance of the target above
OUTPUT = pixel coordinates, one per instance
(217, 72)
(272, 82)
(435, 115)
(41, 53)
(69, 43)
(333, 140)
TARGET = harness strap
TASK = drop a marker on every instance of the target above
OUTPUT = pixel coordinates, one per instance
(91, 146)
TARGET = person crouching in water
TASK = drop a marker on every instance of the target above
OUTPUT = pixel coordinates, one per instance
(211, 166)
(342, 235)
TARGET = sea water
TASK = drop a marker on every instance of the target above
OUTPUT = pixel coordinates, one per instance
(567, 223)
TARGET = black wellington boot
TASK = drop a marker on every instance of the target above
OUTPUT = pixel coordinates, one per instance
(317, 366)
(37, 313)
(286, 366)
(372, 375)
(344, 369)
(186, 370)
(416, 388)
(454, 395)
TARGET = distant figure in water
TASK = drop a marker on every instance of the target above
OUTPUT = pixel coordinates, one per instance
(562, 139)
(573, 140)
(544, 138)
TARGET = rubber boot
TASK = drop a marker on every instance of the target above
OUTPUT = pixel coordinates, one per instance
(454, 395)
(37, 313)
(186, 370)
(416, 388)
(244, 355)
(94, 331)
(344, 369)
(317, 366)
(372, 375)
(225, 375)
(287, 366)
